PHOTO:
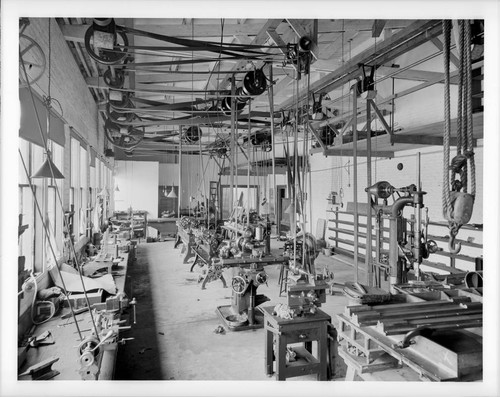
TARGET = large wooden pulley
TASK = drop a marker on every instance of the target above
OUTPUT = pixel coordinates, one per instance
(105, 42)
(123, 137)
(254, 83)
(32, 61)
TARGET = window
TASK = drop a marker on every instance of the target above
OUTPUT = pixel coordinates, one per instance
(43, 194)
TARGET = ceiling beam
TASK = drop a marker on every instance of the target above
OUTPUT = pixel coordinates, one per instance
(410, 74)
(378, 26)
(419, 139)
(402, 42)
(333, 151)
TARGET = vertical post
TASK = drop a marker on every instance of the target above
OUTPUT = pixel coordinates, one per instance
(233, 146)
(355, 176)
(271, 112)
(249, 163)
(179, 193)
(368, 256)
(418, 223)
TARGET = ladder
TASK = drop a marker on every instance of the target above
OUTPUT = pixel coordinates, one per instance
(214, 198)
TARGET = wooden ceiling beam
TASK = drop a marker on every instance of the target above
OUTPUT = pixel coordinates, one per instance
(337, 151)
(419, 139)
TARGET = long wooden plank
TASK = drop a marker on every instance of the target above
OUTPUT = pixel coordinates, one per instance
(456, 325)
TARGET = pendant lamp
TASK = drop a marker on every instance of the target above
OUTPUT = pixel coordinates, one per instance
(172, 193)
(48, 168)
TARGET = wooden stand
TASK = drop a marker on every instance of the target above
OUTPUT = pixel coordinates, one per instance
(303, 330)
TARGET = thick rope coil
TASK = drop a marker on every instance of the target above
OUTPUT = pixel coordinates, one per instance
(446, 201)
(469, 107)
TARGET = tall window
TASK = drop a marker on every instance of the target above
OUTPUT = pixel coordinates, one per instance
(74, 191)
(26, 207)
(31, 242)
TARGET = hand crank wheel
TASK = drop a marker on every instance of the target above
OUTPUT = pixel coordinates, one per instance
(239, 285)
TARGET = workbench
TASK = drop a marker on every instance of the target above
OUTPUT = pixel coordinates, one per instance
(436, 340)
(282, 332)
(185, 238)
(65, 336)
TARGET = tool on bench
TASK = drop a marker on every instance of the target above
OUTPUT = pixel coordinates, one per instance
(41, 371)
(43, 339)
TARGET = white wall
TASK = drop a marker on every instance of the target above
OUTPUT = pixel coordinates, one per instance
(138, 186)
(331, 174)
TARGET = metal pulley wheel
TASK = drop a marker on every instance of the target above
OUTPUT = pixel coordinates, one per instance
(193, 134)
(226, 106)
(88, 345)
(106, 56)
(125, 138)
(239, 285)
(114, 80)
(310, 246)
(261, 278)
(254, 83)
(120, 117)
(305, 44)
(33, 58)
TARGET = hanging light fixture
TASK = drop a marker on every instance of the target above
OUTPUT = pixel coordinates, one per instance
(172, 193)
(48, 168)
(117, 189)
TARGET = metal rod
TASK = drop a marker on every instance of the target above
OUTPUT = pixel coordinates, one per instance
(368, 256)
(248, 167)
(179, 193)
(418, 226)
(233, 133)
(273, 160)
(355, 176)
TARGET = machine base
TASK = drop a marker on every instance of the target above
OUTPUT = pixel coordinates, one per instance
(224, 311)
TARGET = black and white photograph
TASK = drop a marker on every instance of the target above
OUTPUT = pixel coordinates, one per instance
(249, 198)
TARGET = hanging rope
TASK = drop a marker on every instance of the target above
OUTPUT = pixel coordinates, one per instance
(457, 203)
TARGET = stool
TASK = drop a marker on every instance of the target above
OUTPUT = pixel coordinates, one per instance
(304, 330)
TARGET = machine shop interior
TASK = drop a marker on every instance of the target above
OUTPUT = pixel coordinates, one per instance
(260, 200)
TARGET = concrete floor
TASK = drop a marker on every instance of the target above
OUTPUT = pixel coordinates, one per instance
(176, 319)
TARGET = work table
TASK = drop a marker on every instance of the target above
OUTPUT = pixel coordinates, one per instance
(66, 339)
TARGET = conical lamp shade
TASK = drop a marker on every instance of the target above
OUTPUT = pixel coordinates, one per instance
(172, 193)
(117, 189)
(48, 170)
(289, 209)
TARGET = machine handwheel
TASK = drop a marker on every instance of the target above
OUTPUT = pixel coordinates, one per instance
(239, 285)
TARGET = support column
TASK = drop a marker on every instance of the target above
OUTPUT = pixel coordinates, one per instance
(355, 175)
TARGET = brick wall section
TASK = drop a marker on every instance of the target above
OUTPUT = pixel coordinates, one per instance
(67, 83)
